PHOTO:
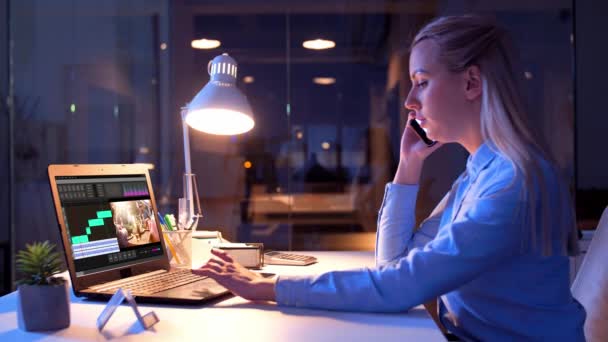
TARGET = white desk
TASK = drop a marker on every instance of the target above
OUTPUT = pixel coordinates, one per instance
(236, 319)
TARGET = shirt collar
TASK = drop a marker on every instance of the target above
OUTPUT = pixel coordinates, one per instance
(480, 159)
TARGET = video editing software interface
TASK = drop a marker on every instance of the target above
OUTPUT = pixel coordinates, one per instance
(110, 221)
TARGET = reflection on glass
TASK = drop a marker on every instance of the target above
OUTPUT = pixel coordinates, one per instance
(205, 44)
(319, 44)
(324, 80)
(330, 113)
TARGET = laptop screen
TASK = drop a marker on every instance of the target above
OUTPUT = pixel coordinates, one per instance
(110, 221)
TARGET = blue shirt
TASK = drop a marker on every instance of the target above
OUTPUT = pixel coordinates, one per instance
(471, 252)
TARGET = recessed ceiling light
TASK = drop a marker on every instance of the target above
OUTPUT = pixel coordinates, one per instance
(205, 44)
(528, 75)
(319, 44)
(324, 80)
(248, 79)
(325, 145)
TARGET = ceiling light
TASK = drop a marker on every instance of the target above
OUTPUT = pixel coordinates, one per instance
(205, 44)
(325, 145)
(324, 80)
(319, 44)
(248, 79)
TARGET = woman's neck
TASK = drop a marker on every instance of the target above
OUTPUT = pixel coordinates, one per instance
(472, 140)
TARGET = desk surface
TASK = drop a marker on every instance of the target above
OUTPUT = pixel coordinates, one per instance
(236, 319)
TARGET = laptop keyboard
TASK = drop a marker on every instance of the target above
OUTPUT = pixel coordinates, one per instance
(152, 284)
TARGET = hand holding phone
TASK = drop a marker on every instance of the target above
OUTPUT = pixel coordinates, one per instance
(421, 133)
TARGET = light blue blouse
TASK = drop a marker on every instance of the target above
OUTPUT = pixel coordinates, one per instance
(470, 252)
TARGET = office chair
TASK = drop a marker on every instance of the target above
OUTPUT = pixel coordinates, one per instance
(590, 286)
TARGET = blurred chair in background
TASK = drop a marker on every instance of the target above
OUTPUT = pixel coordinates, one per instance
(590, 286)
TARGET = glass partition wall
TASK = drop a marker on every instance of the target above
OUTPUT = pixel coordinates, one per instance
(103, 82)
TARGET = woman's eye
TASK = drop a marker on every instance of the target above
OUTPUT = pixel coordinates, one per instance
(421, 84)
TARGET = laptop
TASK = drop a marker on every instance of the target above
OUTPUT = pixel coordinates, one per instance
(112, 239)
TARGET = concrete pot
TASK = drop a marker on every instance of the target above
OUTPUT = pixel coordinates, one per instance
(43, 307)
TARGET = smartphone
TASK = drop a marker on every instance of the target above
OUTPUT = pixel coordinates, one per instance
(421, 133)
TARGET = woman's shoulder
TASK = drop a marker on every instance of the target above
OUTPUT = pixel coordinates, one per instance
(540, 171)
(501, 172)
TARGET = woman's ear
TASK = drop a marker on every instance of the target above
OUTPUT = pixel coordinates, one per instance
(472, 77)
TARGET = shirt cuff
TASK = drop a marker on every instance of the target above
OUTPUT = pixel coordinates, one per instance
(290, 290)
(399, 199)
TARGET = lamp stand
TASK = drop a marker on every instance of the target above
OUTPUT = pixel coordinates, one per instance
(187, 217)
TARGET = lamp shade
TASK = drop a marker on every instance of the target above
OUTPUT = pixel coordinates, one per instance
(220, 107)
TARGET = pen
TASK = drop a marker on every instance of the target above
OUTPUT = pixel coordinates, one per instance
(162, 221)
(168, 222)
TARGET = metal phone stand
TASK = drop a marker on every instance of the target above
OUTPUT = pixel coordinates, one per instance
(146, 321)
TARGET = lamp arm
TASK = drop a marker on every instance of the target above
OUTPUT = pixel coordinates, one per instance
(187, 159)
(190, 221)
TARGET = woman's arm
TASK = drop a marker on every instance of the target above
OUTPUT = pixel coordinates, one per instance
(396, 215)
(395, 236)
(395, 222)
(489, 233)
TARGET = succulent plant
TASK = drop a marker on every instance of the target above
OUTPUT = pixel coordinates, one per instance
(39, 264)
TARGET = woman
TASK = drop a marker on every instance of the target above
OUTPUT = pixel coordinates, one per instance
(495, 250)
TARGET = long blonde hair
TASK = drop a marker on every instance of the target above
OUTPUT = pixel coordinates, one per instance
(474, 40)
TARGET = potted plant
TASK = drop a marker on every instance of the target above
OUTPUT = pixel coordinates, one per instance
(43, 296)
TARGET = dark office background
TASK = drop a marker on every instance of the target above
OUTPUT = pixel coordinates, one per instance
(86, 81)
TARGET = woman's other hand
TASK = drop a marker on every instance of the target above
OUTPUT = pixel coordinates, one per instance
(236, 278)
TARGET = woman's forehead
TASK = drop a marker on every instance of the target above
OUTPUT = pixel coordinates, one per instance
(424, 57)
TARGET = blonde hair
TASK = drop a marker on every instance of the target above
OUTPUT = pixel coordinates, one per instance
(473, 40)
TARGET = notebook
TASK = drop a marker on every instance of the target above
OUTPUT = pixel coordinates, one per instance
(111, 236)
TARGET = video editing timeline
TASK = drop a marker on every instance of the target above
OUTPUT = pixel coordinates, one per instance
(89, 205)
(91, 230)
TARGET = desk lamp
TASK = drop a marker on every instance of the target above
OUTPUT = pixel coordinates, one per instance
(219, 108)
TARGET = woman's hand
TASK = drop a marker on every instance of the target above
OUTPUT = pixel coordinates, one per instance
(412, 147)
(236, 278)
(412, 155)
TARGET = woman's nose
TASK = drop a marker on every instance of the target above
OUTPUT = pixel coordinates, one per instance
(411, 103)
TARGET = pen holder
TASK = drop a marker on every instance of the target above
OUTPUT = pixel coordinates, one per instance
(179, 247)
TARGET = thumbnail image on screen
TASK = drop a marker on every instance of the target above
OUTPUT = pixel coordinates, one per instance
(134, 223)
